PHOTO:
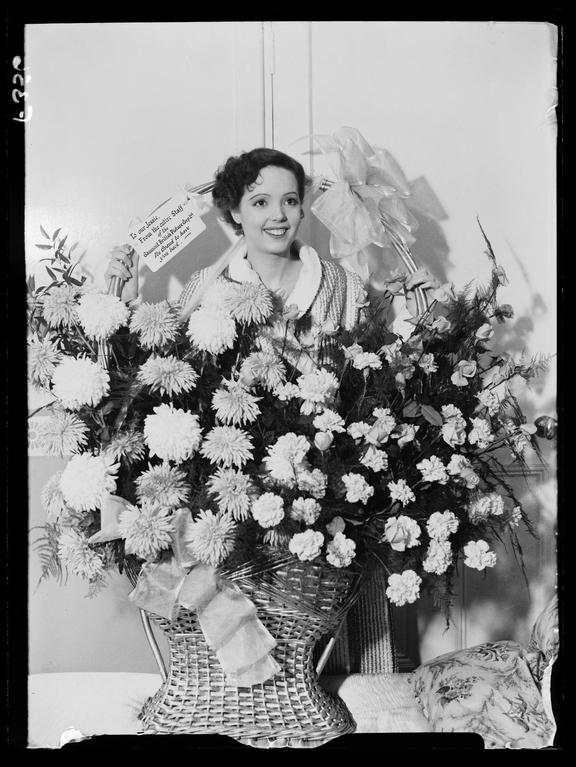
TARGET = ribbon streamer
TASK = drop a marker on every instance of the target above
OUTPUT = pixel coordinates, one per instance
(227, 617)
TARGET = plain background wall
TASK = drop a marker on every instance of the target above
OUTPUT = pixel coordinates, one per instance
(126, 114)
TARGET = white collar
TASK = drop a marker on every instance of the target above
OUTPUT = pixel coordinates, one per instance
(307, 284)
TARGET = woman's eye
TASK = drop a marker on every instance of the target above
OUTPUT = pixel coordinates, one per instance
(259, 203)
(293, 201)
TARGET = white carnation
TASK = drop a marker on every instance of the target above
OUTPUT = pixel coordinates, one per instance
(286, 456)
(307, 545)
(268, 510)
(329, 421)
(305, 510)
(438, 557)
(400, 491)
(478, 555)
(340, 551)
(365, 360)
(480, 434)
(375, 459)
(312, 481)
(403, 588)
(433, 470)
(441, 524)
(357, 488)
(402, 533)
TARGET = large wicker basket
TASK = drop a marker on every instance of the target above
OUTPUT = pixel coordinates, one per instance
(299, 603)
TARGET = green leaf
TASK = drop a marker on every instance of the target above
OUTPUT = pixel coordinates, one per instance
(44, 232)
(74, 281)
(72, 247)
(411, 409)
(43, 247)
(431, 415)
(56, 233)
(51, 273)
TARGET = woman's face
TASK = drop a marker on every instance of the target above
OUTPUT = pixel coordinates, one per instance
(270, 211)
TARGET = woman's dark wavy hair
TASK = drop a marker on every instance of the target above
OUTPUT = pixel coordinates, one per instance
(242, 171)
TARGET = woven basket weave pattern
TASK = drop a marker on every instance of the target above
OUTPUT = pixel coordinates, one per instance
(298, 604)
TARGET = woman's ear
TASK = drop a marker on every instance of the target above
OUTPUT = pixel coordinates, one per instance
(236, 216)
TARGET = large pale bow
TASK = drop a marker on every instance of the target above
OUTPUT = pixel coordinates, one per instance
(366, 205)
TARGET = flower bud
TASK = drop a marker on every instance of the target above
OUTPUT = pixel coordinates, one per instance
(323, 440)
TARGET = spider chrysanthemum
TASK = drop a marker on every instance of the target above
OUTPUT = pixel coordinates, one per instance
(234, 404)
(249, 303)
(233, 491)
(265, 368)
(228, 446)
(63, 433)
(147, 531)
(168, 375)
(76, 555)
(156, 324)
(59, 306)
(163, 485)
(43, 356)
(128, 444)
(211, 537)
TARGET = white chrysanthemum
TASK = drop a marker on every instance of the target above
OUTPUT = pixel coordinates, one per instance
(78, 557)
(210, 330)
(478, 555)
(307, 545)
(101, 314)
(211, 537)
(317, 389)
(480, 434)
(43, 356)
(214, 297)
(127, 444)
(489, 400)
(227, 445)
(268, 510)
(400, 491)
(329, 421)
(63, 433)
(87, 480)
(441, 524)
(402, 533)
(249, 302)
(374, 459)
(404, 433)
(79, 382)
(286, 456)
(428, 363)
(234, 404)
(358, 430)
(147, 530)
(52, 499)
(305, 510)
(172, 434)
(162, 485)
(438, 557)
(286, 391)
(336, 525)
(433, 470)
(313, 482)
(366, 360)
(403, 588)
(265, 368)
(59, 306)
(233, 491)
(357, 488)
(489, 505)
(157, 324)
(340, 551)
(168, 375)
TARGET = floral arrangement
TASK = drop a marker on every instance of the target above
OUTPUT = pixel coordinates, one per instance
(220, 436)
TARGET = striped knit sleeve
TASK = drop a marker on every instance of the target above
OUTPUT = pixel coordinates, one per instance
(189, 291)
(355, 297)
